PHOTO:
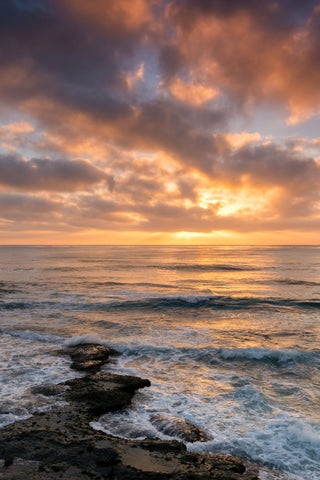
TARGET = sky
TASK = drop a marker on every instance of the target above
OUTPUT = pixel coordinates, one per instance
(159, 122)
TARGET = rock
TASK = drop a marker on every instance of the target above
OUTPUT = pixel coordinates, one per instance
(163, 445)
(50, 390)
(88, 357)
(61, 445)
(104, 392)
(177, 427)
(99, 393)
(90, 366)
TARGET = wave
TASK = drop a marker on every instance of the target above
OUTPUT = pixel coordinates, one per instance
(186, 302)
(216, 355)
(175, 266)
(7, 288)
(275, 357)
(207, 355)
(291, 281)
(269, 355)
(174, 302)
(218, 267)
(192, 267)
(131, 284)
(85, 339)
(30, 335)
(25, 305)
(63, 269)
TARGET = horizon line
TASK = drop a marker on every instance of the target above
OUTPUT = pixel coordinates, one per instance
(161, 245)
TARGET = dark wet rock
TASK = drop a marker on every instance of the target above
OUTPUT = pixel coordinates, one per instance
(90, 366)
(88, 351)
(8, 461)
(104, 392)
(61, 445)
(99, 393)
(163, 445)
(177, 427)
(88, 357)
(50, 390)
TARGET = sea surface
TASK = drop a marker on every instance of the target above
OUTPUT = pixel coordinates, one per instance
(228, 336)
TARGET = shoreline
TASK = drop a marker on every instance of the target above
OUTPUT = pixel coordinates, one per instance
(61, 444)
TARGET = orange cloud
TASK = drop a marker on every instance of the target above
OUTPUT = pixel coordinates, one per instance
(14, 133)
(17, 127)
(238, 140)
(128, 14)
(132, 78)
(252, 52)
(195, 94)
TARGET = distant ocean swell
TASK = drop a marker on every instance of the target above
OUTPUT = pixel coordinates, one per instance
(206, 267)
(176, 302)
(170, 266)
(292, 281)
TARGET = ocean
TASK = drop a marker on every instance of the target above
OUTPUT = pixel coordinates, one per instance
(229, 337)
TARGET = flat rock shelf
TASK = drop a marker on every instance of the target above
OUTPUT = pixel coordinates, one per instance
(60, 444)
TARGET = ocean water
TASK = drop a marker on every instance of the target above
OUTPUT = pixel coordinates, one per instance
(228, 336)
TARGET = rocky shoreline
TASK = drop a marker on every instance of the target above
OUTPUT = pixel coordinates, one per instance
(60, 444)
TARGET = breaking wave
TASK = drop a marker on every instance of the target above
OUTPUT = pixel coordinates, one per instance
(274, 356)
(214, 355)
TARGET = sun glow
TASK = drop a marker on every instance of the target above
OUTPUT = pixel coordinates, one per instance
(229, 202)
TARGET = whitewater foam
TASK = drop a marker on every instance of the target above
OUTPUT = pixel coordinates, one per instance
(278, 356)
(85, 339)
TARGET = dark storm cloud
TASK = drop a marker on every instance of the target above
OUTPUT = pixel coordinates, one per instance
(45, 174)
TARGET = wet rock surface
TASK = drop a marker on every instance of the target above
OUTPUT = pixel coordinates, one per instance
(177, 427)
(60, 444)
(104, 392)
(88, 357)
(98, 393)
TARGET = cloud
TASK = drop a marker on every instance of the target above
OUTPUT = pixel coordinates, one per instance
(54, 51)
(16, 127)
(195, 94)
(238, 140)
(272, 166)
(255, 51)
(132, 78)
(44, 174)
(25, 208)
(120, 16)
(14, 134)
(133, 114)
